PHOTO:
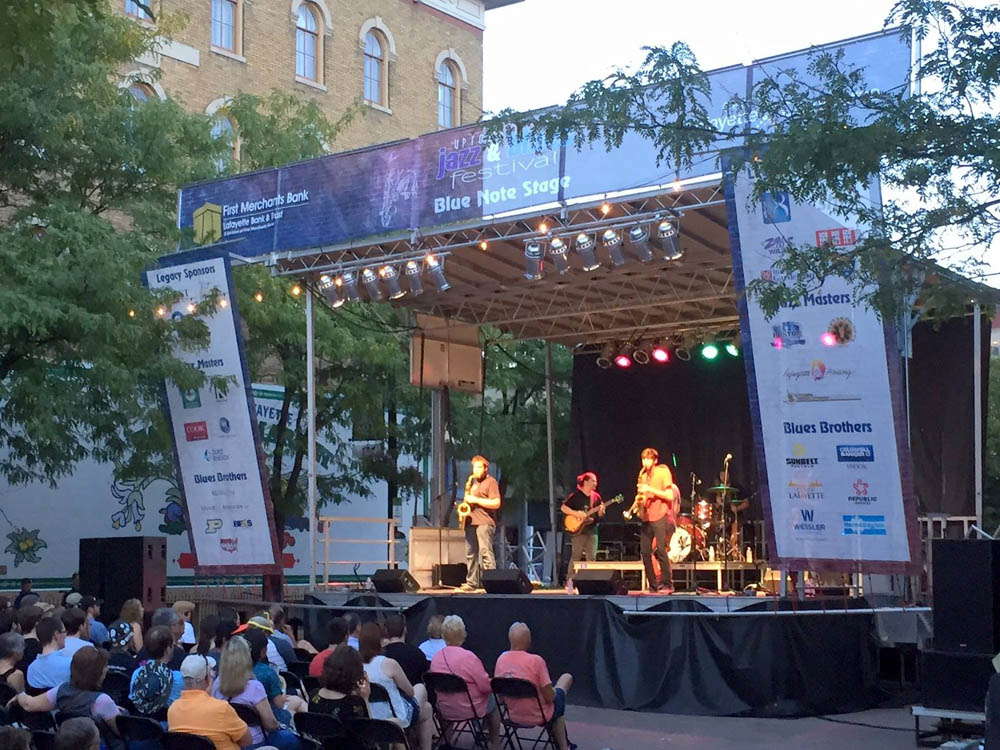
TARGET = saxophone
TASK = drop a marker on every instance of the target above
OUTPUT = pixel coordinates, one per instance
(638, 507)
(464, 508)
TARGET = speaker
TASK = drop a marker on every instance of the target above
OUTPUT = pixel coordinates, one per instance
(128, 567)
(506, 581)
(954, 680)
(394, 581)
(966, 595)
(449, 574)
(598, 582)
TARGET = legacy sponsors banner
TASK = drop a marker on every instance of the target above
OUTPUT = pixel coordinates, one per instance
(458, 176)
(228, 509)
(824, 389)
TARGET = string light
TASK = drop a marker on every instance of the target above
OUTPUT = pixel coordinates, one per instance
(161, 312)
(259, 296)
(223, 303)
(296, 290)
(131, 313)
(191, 308)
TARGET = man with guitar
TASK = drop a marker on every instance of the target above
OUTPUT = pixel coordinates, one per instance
(482, 497)
(657, 503)
(583, 504)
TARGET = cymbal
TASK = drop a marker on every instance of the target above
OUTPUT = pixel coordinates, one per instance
(722, 488)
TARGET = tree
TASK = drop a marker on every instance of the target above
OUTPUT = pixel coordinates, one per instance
(935, 152)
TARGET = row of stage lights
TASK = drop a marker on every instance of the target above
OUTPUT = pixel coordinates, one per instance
(624, 355)
(344, 287)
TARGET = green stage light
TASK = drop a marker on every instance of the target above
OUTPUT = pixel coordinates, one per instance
(709, 351)
(732, 350)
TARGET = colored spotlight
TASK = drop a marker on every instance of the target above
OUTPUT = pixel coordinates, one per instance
(709, 351)
(660, 354)
(623, 361)
(732, 350)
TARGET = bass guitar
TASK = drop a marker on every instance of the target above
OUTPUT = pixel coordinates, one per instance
(575, 524)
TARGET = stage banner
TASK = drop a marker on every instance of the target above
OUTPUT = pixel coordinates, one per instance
(216, 442)
(826, 401)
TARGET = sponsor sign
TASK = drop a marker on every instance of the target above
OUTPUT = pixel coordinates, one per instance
(864, 525)
(852, 454)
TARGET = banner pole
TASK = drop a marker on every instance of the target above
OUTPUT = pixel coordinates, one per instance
(549, 450)
(977, 405)
(311, 436)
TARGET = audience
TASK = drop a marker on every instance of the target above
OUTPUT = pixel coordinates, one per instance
(281, 640)
(434, 642)
(197, 712)
(263, 625)
(154, 684)
(336, 631)
(408, 702)
(353, 630)
(520, 663)
(236, 684)
(26, 584)
(74, 588)
(284, 705)
(206, 640)
(345, 688)
(51, 667)
(169, 619)
(78, 734)
(12, 738)
(132, 614)
(453, 659)
(223, 632)
(11, 651)
(410, 658)
(185, 611)
(121, 659)
(80, 696)
(96, 630)
(26, 620)
(75, 621)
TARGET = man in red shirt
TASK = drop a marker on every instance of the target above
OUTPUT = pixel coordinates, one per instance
(657, 501)
(518, 662)
(483, 493)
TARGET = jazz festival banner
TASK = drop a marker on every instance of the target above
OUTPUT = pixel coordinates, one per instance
(216, 444)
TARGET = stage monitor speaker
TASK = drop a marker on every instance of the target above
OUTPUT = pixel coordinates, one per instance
(954, 680)
(506, 581)
(598, 582)
(966, 595)
(449, 574)
(394, 581)
(128, 567)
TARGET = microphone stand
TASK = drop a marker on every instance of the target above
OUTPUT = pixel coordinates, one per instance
(725, 522)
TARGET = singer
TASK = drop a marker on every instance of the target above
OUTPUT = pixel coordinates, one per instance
(483, 493)
(657, 503)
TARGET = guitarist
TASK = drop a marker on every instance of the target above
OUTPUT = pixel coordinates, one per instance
(577, 503)
(483, 493)
(657, 502)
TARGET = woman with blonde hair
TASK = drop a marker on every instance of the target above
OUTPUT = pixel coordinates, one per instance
(131, 613)
(236, 684)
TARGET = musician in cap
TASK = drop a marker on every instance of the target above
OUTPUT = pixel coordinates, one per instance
(657, 503)
(577, 505)
(482, 494)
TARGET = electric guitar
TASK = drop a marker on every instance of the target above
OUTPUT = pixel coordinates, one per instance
(575, 524)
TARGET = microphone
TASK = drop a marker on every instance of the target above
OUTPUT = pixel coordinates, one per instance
(728, 458)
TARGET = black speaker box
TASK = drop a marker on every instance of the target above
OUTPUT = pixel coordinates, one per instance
(394, 581)
(599, 582)
(966, 595)
(953, 680)
(114, 569)
(449, 574)
(506, 581)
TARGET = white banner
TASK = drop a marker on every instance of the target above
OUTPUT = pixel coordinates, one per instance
(228, 510)
(822, 393)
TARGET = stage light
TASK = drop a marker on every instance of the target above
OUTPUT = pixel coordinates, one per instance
(683, 353)
(585, 249)
(557, 251)
(533, 255)
(413, 278)
(732, 350)
(828, 339)
(709, 351)
(436, 270)
(390, 276)
(484, 245)
(638, 242)
(543, 227)
(666, 238)
(660, 354)
(623, 361)
(329, 288)
(612, 241)
(605, 208)
(604, 358)
(348, 285)
(641, 354)
(370, 280)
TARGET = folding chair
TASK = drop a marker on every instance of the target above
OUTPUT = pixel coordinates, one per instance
(33, 720)
(507, 688)
(248, 713)
(43, 740)
(378, 733)
(449, 728)
(116, 685)
(138, 729)
(323, 729)
(302, 655)
(6, 693)
(185, 741)
(294, 686)
(380, 695)
(299, 668)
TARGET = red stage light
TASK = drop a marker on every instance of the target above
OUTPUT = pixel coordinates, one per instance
(828, 339)
(623, 361)
(660, 354)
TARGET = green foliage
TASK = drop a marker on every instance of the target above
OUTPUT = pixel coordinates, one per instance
(991, 457)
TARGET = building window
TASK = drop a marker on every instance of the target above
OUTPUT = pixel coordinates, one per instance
(223, 128)
(142, 92)
(376, 80)
(447, 78)
(136, 10)
(226, 25)
(307, 48)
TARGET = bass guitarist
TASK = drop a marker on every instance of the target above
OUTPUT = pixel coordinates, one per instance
(657, 503)
(576, 504)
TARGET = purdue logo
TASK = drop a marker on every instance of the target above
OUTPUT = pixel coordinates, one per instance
(208, 224)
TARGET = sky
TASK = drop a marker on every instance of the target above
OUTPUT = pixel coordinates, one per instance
(537, 52)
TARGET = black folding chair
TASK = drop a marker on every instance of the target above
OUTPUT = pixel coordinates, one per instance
(43, 740)
(293, 685)
(323, 729)
(507, 688)
(138, 729)
(450, 728)
(6, 693)
(247, 713)
(185, 741)
(299, 668)
(380, 695)
(33, 720)
(310, 684)
(378, 733)
(116, 685)
(303, 656)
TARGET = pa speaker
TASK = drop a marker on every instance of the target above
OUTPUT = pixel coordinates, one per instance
(506, 581)
(394, 581)
(599, 582)
(449, 574)
(114, 569)
(954, 680)
(966, 595)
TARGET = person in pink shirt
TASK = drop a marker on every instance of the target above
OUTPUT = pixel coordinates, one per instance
(454, 659)
(518, 662)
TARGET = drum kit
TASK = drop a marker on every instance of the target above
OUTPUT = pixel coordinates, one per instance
(701, 534)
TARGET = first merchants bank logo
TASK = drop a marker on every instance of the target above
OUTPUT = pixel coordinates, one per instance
(208, 224)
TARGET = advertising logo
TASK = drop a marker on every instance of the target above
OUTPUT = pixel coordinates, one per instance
(195, 431)
(787, 333)
(855, 453)
(839, 333)
(862, 525)
(811, 490)
(799, 458)
(775, 246)
(190, 398)
(212, 525)
(229, 544)
(220, 395)
(777, 207)
(818, 371)
(839, 237)
(212, 455)
(207, 223)
(826, 428)
(861, 496)
(243, 523)
(224, 425)
(805, 523)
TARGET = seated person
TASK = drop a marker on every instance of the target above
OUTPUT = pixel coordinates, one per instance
(154, 684)
(518, 662)
(284, 705)
(409, 657)
(51, 667)
(121, 659)
(168, 618)
(26, 620)
(336, 631)
(13, 738)
(185, 610)
(78, 734)
(11, 651)
(279, 637)
(345, 688)
(74, 620)
(434, 642)
(197, 712)
(263, 624)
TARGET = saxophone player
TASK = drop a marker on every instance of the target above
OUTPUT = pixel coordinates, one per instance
(482, 493)
(657, 501)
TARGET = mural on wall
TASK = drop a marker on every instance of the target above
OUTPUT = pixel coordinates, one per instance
(24, 544)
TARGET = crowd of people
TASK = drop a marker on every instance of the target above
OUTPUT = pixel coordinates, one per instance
(204, 682)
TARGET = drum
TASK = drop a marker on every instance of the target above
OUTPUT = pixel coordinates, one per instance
(703, 513)
(680, 544)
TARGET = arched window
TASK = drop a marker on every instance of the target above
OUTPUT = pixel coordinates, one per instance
(223, 128)
(307, 43)
(226, 25)
(376, 80)
(447, 78)
(142, 92)
(136, 10)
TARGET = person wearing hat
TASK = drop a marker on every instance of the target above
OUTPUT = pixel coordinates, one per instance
(197, 712)
(122, 657)
(186, 611)
(97, 631)
(263, 624)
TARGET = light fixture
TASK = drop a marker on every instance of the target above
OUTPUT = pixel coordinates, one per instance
(660, 353)
(484, 245)
(413, 277)
(732, 349)
(543, 227)
(370, 280)
(259, 296)
(612, 241)
(604, 358)
(641, 354)
(296, 290)
(605, 208)
(557, 251)
(348, 285)
(533, 255)
(223, 303)
(191, 307)
(161, 312)
(709, 351)
(665, 237)
(329, 287)
(637, 241)
(390, 276)
(683, 353)
(435, 269)
(623, 361)
(131, 313)
(585, 248)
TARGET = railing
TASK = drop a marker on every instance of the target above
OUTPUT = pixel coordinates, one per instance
(327, 524)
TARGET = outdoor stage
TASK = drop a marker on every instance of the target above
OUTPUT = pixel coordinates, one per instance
(681, 654)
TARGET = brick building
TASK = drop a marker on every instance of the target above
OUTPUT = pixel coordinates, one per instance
(413, 65)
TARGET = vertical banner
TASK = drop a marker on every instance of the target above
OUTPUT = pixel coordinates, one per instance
(825, 393)
(216, 445)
